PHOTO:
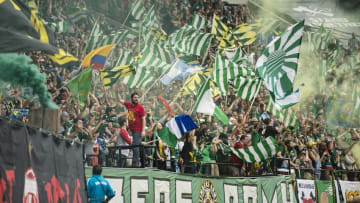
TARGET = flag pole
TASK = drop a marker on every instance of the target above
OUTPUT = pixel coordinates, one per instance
(132, 8)
(247, 113)
(207, 53)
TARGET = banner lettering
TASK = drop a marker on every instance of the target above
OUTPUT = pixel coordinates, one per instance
(150, 185)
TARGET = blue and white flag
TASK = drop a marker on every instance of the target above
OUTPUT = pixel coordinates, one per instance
(175, 128)
(179, 71)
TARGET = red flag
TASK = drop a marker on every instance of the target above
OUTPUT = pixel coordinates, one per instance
(171, 113)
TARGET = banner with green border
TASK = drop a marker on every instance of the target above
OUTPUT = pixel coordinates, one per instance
(151, 185)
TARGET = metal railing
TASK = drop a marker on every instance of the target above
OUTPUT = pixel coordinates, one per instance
(269, 167)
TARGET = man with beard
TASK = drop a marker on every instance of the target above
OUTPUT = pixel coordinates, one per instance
(137, 123)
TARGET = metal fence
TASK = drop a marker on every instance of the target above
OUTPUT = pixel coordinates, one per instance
(115, 157)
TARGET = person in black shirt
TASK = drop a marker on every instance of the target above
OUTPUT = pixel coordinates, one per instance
(270, 130)
(187, 153)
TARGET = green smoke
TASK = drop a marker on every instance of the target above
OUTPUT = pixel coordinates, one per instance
(18, 70)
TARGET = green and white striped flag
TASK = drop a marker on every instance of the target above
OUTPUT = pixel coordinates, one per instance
(277, 66)
(142, 78)
(138, 10)
(247, 87)
(178, 35)
(200, 22)
(286, 116)
(238, 55)
(235, 54)
(125, 58)
(261, 151)
(150, 61)
(151, 19)
(226, 70)
(98, 39)
(193, 42)
(205, 104)
(165, 53)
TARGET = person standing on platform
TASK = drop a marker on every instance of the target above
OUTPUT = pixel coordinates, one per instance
(137, 123)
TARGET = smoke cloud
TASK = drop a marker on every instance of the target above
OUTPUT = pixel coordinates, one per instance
(18, 70)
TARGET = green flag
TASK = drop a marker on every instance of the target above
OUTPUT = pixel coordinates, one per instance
(205, 104)
(226, 70)
(81, 84)
(277, 66)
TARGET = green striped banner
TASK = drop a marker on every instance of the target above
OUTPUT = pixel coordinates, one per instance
(138, 10)
(150, 61)
(142, 78)
(226, 70)
(178, 35)
(199, 22)
(194, 42)
(286, 116)
(98, 39)
(277, 65)
(257, 153)
(219, 29)
(151, 19)
(125, 58)
(247, 87)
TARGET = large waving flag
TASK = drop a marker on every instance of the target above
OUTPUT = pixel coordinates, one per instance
(138, 10)
(109, 77)
(245, 34)
(150, 60)
(22, 30)
(247, 87)
(97, 57)
(176, 128)
(199, 22)
(277, 66)
(222, 32)
(81, 84)
(150, 19)
(205, 104)
(226, 70)
(140, 78)
(190, 41)
(256, 153)
(286, 116)
(98, 38)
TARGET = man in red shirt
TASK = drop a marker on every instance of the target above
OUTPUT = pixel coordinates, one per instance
(137, 123)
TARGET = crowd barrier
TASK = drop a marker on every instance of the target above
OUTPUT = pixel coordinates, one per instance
(268, 168)
(154, 185)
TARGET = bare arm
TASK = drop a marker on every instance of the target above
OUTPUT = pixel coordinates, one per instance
(143, 126)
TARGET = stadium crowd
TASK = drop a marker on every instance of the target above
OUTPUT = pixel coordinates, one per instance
(311, 148)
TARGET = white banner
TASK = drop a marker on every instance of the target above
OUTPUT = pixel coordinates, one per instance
(350, 190)
(306, 190)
